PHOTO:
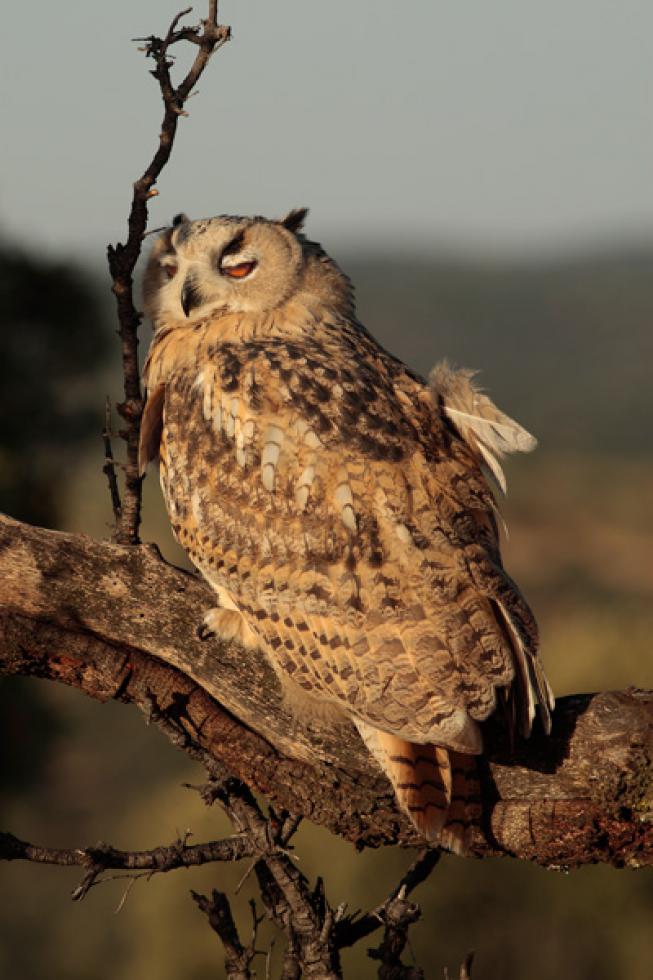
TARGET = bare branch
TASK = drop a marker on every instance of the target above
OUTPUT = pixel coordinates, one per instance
(352, 929)
(123, 258)
(237, 958)
(465, 972)
(304, 916)
(109, 468)
(398, 916)
(103, 857)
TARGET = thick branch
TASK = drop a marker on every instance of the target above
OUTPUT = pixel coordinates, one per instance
(120, 623)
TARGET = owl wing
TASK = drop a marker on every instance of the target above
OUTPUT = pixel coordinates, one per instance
(324, 494)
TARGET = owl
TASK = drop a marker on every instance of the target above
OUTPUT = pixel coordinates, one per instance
(340, 506)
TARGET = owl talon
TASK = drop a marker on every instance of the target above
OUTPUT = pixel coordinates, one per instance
(210, 627)
(226, 624)
(204, 632)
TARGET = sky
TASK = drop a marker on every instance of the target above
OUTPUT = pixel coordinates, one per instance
(504, 127)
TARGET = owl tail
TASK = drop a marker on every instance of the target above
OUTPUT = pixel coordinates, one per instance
(437, 788)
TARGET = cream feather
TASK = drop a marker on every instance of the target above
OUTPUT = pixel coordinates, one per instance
(488, 431)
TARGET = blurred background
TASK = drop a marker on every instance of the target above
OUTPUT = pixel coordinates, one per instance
(483, 173)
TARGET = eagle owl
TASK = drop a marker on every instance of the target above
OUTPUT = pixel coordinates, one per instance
(338, 504)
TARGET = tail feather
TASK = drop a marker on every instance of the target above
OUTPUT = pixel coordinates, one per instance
(432, 785)
(465, 810)
(532, 688)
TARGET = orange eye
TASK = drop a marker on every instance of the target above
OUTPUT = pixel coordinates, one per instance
(170, 271)
(238, 271)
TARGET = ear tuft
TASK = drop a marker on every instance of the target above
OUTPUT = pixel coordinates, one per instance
(294, 220)
(180, 219)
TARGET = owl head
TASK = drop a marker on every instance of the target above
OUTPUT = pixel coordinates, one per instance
(237, 265)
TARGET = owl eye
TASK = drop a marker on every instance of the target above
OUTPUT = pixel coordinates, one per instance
(238, 271)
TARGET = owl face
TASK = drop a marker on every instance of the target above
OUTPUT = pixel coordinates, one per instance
(225, 265)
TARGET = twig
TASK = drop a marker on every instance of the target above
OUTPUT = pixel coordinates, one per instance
(237, 958)
(109, 468)
(304, 916)
(398, 916)
(268, 960)
(351, 929)
(466, 967)
(209, 37)
(121, 904)
(103, 857)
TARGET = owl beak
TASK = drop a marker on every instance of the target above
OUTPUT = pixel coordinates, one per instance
(190, 296)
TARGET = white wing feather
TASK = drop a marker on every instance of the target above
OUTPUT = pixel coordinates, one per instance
(488, 431)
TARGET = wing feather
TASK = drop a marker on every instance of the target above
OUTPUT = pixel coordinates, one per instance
(488, 431)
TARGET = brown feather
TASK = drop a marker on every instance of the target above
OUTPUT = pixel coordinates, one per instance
(151, 428)
(465, 810)
(438, 789)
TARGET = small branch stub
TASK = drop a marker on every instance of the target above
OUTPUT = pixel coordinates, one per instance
(109, 468)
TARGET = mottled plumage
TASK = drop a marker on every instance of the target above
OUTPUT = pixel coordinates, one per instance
(336, 503)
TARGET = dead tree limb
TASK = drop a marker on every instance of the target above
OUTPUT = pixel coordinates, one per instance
(351, 929)
(119, 622)
(102, 857)
(237, 958)
(207, 37)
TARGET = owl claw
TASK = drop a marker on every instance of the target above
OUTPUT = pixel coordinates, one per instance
(209, 628)
(226, 624)
(204, 632)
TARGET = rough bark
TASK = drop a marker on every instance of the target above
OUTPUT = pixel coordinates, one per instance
(119, 622)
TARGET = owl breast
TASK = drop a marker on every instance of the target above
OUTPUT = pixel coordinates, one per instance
(303, 491)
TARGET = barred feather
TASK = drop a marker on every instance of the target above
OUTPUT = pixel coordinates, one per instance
(438, 789)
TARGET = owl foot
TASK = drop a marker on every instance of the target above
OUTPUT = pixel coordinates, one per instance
(226, 624)
(204, 632)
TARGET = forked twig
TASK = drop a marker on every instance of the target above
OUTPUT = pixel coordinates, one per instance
(237, 958)
(209, 36)
(352, 928)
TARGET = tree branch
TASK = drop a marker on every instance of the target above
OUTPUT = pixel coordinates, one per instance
(103, 857)
(237, 958)
(118, 622)
(208, 38)
(397, 918)
(109, 468)
(304, 916)
(353, 928)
